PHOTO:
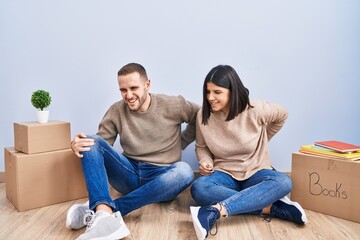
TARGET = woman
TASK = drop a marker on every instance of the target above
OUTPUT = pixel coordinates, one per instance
(232, 148)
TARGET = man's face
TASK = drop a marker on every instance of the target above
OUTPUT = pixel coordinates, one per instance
(135, 91)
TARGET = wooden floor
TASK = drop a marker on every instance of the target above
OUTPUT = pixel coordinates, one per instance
(169, 221)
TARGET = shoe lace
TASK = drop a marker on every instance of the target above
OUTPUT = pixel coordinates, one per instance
(280, 213)
(214, 222)
(94, 218)
(216, 230)
(276, 212)
(266, 217)
(89, 218)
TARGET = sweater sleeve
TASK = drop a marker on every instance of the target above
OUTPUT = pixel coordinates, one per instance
(107, 127)
(274, 116)
(188, 115)
(202, 151)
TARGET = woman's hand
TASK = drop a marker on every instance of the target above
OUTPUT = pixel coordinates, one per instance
(206, 169)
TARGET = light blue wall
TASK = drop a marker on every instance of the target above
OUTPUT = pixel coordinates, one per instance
(304, 55)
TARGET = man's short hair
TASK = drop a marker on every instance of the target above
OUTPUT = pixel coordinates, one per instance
(133, 67)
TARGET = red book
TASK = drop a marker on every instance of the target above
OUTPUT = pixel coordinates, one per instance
(338, 146)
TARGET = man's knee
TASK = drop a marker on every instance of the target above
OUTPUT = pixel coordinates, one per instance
(184, 171)
(97, 138)
(98, 142)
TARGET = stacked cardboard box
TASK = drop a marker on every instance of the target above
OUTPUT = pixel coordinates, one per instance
(41, 168)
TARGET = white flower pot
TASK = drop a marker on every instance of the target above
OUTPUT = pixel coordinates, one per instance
(42, 116)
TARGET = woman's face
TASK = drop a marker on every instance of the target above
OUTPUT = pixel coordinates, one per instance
(218, 98)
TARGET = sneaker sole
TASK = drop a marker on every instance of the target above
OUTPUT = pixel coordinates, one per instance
(119, 234)
(297, 205)
(68, 216)
(200, 231)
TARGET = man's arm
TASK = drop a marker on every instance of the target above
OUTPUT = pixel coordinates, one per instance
(107, 128)
(189, 111)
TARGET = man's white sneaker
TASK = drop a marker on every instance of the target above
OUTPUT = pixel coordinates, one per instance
(76, 216)
(105, 226)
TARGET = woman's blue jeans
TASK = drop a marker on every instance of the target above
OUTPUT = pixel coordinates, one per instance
(239, 197)
(140, 183)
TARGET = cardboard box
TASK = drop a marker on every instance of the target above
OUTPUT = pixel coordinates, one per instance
(38, 180)
(326, 185)
(34, 137)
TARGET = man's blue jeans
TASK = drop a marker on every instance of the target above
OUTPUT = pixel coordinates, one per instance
(248, 196)
(140, 183)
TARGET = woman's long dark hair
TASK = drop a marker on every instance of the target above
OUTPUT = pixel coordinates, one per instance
(225, 76)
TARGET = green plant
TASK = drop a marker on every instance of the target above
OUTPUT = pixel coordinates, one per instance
(40, 99)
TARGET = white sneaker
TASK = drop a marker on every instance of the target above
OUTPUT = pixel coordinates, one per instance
(76, 217)
(105, 226)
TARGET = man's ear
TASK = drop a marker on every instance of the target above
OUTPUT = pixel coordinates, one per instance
(147, 84)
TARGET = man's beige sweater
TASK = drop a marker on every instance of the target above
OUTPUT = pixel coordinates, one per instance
(239, 147)
(153, 136)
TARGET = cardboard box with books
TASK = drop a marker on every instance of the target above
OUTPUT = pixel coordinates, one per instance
(326, 184)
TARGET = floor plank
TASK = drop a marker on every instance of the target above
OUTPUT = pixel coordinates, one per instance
(169, 221)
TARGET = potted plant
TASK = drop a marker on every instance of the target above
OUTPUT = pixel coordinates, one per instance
(41, 99)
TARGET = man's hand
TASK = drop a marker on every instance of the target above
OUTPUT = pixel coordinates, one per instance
(81, 144)
(206, 169)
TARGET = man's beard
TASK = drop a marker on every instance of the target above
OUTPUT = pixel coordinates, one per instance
(141, 103)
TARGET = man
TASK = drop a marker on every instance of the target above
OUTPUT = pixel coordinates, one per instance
(149, 170)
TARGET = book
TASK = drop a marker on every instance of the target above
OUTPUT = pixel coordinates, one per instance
(338, 146)
(325, 152)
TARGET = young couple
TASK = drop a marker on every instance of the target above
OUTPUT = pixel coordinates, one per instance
(232, 135)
